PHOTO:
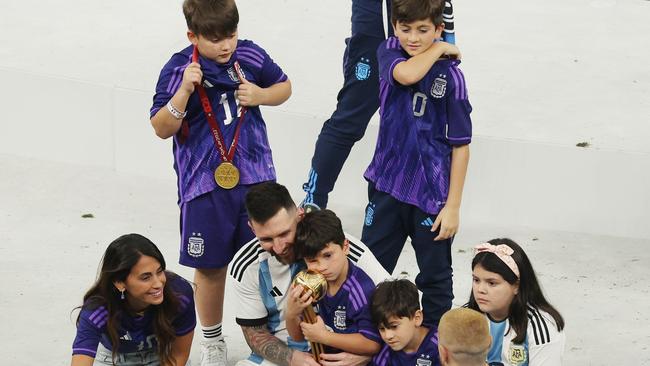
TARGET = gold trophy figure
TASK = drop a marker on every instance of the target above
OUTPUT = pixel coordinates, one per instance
(314, 281)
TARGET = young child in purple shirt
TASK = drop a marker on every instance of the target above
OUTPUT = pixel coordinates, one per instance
(136, 312)
(395, 310)
(343, 322)
(417, 173)
(358, 98)
(207, 98)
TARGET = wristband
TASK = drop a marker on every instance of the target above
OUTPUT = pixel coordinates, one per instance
(175, 112)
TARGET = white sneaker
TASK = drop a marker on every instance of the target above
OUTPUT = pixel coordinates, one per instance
(214, 353)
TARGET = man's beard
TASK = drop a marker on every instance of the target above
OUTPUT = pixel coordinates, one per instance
(288, 258)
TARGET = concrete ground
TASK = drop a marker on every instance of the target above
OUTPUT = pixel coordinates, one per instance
(49, 256)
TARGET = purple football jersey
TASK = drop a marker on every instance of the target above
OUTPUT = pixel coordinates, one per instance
(419, 126)
(426, 355)
(196, 158)
(349, 311)
(135, 332)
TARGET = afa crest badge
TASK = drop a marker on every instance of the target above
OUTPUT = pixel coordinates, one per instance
(426, 361)
(195, 245)
(370, 214)
(339, 319)
(362, 69)
(517, 354)
(232, 74)
(439, 87)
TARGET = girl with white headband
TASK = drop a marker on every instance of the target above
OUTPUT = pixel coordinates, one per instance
(525, 328)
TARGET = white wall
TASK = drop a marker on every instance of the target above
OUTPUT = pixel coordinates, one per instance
(78, 78)
(519, 183)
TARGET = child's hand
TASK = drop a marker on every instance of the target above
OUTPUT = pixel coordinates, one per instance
(447, 220)
(447, 49)
(343, 359)
(297, 301)
(249, 94)
(191, 76)
(452, 51)
(314, 332)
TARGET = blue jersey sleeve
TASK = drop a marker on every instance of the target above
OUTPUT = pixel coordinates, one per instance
(185, 321)
(89, 331)
(267, 72)
(389, 54)
(459, 123)
(169, 81)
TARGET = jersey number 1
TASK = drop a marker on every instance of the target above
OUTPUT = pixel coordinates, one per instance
(226, 109)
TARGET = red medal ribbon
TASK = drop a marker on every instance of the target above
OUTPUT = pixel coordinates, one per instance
(214, 126)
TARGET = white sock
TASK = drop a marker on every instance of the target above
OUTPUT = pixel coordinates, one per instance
(212, 333)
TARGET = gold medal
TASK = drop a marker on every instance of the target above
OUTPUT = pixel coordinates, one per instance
(226, 175)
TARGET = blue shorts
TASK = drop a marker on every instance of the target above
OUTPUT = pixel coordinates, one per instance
(213, 227)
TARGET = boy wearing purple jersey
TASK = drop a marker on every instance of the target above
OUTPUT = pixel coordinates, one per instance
(417, 173)
(220, 146)
(396, 312)
(343, 322)
(358, 98)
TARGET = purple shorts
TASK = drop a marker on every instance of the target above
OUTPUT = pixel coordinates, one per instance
(213, 227)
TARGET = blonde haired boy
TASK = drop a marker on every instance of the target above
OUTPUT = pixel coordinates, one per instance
(463, 338)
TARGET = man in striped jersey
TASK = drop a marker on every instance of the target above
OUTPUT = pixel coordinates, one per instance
(261, 275)
(358, 98)
(417, 173)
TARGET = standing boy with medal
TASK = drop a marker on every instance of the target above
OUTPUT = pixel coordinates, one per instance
(207, 98)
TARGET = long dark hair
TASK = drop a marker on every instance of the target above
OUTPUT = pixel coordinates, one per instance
(118, 260)
(530, 293)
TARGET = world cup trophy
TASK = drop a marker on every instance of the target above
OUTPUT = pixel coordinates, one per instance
(314, 281)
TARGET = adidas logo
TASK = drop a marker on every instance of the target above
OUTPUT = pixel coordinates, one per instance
(427, 222)
(275, 292)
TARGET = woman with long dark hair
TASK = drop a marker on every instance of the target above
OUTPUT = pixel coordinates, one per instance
(526, 329)
(136, 313)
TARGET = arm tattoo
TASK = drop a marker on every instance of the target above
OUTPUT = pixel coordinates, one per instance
(262, 342)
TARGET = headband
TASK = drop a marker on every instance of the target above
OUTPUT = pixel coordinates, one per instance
(502, 251)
